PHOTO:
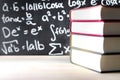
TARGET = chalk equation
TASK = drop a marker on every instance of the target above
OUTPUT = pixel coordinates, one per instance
(39, 27)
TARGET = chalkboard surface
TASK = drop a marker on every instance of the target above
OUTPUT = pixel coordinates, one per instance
(37, 27)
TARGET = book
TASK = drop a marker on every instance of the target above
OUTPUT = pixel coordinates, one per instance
(99, 28)
(101, 45)
(94, 61)
(95, 13)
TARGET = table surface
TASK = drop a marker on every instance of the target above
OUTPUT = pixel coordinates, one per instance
(47, 68)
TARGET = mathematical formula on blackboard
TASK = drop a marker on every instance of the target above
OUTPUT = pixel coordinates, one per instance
(38, 27)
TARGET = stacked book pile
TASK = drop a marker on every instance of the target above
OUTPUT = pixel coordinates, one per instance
(95, 38)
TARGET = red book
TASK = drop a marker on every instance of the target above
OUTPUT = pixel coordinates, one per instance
(98, 28)
(95, 13)
(96, 21)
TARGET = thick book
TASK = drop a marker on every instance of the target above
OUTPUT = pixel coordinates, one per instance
(98, 12)
(101, 45)
(99, 28)
(96, 62)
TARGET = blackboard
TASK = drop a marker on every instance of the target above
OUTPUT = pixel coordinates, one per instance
(37, 27)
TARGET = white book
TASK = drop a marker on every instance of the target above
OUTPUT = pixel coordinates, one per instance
(102, 45)
(100, 28)
(98, 12)
(96, 62)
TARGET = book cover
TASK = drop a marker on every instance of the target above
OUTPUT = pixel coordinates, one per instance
(98, 12)
(98, 28)
(94, 61)
(101, 45)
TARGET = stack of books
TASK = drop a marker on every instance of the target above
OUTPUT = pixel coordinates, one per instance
(95, 38)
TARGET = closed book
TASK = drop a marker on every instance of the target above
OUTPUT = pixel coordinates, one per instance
(100, 28)
(94, 61)
(101, 45)
(98, 12)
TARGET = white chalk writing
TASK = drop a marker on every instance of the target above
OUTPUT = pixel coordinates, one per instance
(7, 32)
(43, 5)
(36, 45)
(67, 49)
(10, 46)
(5, 7)
(109, 2)
(54, 48)
(76, 3)
(59, 16)
(29, 20)
(7, 19)
(94, 2)
(58, 31)
(15, 7)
